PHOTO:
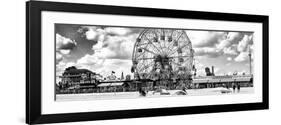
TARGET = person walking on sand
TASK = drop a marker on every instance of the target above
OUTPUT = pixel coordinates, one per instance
(234, 87)
(142, 92)
(238, 88)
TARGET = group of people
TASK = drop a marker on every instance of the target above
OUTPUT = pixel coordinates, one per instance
(142, 92)
(162, 91)
(236, 86)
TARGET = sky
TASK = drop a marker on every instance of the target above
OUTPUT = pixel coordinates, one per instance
(104, 49)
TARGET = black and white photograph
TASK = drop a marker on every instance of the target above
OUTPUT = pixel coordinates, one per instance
(101, 62)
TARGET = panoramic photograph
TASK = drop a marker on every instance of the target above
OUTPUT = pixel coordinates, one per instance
(112, 62)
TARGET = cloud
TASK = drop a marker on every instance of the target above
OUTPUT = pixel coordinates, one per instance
(213, 44)
(58, 57)
(117, 65)
(214, 52)
(232, 38)
(117, 31)
(113, 42)
(63, 47)
(63, 43)
(230, 50)
(97, 46)
(229, 59)
(94, 59)
(112, 49)
(200, 68)
(119, 47)
(91, 34)
(97, 63)
(243, 56)
(244, 43)
(207, 51)
(97, 33)
(61, 66)
(217, 70)
(228, 64)
(243, 47)
(91, 62)
(65, 52)
(205, 38)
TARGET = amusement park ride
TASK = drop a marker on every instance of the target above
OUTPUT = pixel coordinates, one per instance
(164, 59)
(163, 55)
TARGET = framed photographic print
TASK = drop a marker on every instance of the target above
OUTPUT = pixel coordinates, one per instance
(94, 62)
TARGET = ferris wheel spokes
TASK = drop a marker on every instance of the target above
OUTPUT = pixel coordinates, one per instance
(163, 53)
(146, 66)
(179, 49)
(149, 41)
(175, 43)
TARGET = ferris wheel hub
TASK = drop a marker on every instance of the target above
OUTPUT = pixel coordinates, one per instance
(166, 52)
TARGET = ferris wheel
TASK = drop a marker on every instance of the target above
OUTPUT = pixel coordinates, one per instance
(161, 54)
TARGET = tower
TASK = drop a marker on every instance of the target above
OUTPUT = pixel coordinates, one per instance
(250, 60)
(122, 76)
(213, 71)
(208, 72)
(194, 68)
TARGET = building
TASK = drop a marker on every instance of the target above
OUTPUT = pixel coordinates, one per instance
(112, 87)
(222, 81)
(76, 77)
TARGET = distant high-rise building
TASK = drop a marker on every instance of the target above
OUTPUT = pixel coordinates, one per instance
(128, 77)
(213, 71)
(112, 76)
(250, 60)
(122, 76)
(207, 71)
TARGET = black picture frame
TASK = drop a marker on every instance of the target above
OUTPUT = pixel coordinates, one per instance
(33, 61)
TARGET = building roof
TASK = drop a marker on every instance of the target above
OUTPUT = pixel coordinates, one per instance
(110, 84)
(243, 79)
(77, 71)
(222, 79)
(200, 81)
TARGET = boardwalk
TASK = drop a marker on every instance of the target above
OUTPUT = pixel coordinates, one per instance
(127, 95)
